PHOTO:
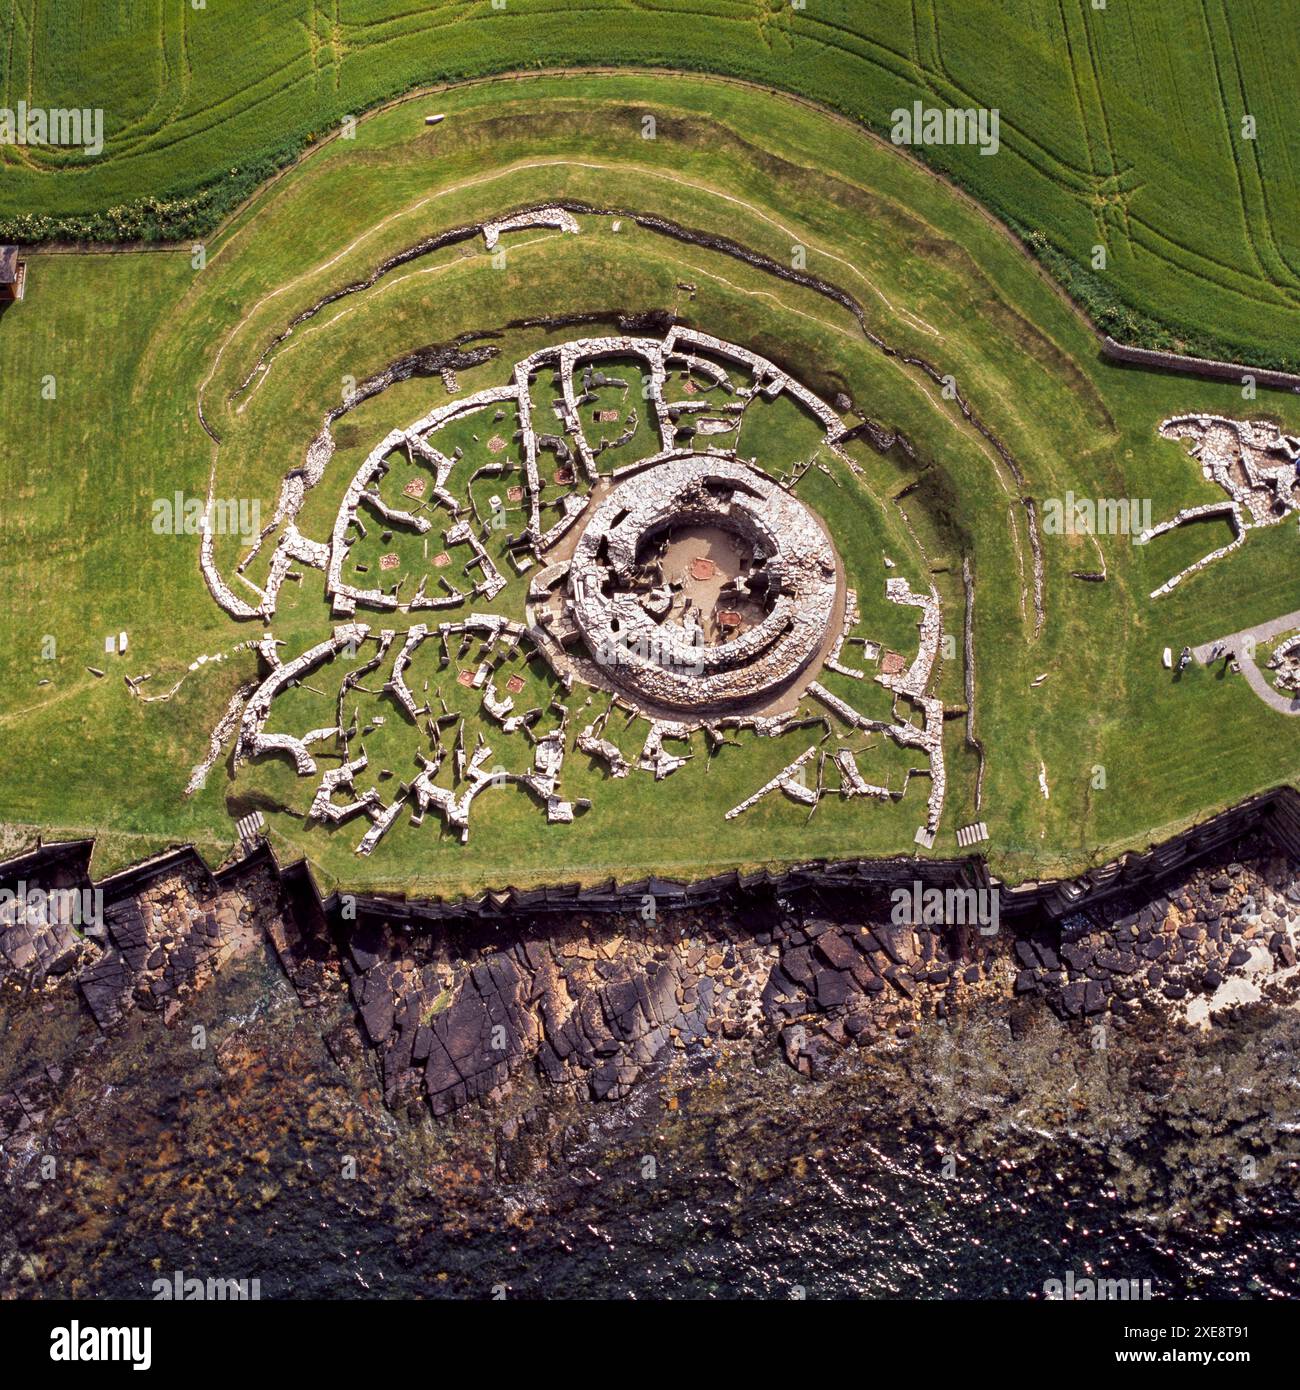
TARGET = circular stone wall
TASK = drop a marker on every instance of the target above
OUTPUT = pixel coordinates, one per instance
(637, 632)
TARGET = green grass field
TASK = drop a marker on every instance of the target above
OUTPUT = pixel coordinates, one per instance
(1122, 127)
(135, 342)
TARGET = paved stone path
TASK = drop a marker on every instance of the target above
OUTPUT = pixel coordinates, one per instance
(1261, 632)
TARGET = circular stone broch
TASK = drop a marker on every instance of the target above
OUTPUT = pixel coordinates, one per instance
(634, 567)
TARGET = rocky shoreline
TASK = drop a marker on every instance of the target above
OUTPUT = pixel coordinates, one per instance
(454, 1013)
(227, 1076)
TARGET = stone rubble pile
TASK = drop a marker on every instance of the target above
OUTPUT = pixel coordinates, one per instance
(911, 683)
(603, 750)
(853, 782)
(654, 757)
(254, 741)
(849, 621)
(1256, 464)
(560, 218)
(325, 808)
(1251, 460)
(1230, 511)
(1285, 664)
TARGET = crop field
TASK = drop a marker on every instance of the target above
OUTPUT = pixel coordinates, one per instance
(1114, 130)
(132, 377)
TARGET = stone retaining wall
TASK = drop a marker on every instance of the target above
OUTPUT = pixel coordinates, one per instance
(1198, 366)
(1274, 814)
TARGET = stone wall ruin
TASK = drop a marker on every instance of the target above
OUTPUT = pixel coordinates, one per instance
(596, 609)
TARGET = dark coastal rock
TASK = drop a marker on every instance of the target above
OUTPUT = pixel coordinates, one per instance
(476, 1037)
(780, 994)
(455, 1011)
(798, 965)
(377, 1009)
(621, 1005)
(1118, 962)
(893, 941)
(365, 941)
(901, 980)
(1072, 998)
(105, 986)
(1048, 955)
(803, 1050)
(1077, 957)
(833, 988)
(837, 950)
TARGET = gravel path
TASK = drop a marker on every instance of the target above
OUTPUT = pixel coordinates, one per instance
(1261, 632)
